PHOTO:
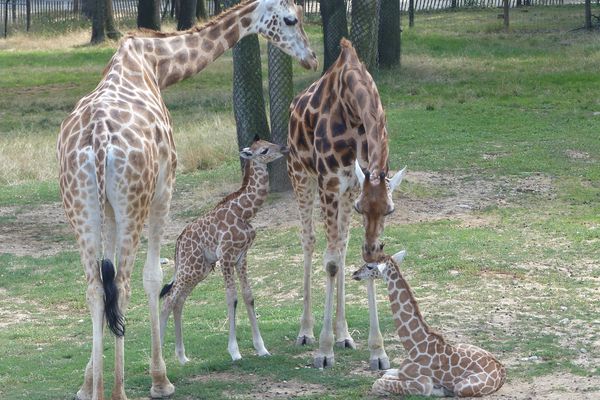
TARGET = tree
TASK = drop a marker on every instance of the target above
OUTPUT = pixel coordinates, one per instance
(335, 27)
(187, 14)
(389, 34)
(364, 31)
(149, 14)
(103, 23)
(201, 11)
(281, 93)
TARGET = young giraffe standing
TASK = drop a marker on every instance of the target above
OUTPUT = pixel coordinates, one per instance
(224, 235)
(336, 126)
(117, 165)
(433, 367)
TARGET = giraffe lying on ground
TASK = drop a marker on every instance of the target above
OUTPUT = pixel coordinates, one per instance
(117, 166)
(337, 126)
(433, 367)
(224, 235)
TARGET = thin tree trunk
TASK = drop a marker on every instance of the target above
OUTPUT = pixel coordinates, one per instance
(335, 27)
(588, 14)
(506, 15)
(389, 42)
(281, 92)
(111, 30)
(201, 11)
(98, 19)
(364, 32)
(149, 14)
(187, 15)
(411, 13)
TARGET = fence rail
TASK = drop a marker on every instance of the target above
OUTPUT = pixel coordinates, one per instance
(21, 13)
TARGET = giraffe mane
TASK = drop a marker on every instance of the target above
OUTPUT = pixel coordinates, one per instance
(151, 33)
(414, 302)
(245, 182)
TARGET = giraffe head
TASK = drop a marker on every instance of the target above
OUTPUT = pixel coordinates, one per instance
(280, 22)
(263, 152)
(374, 203)
(379, 269)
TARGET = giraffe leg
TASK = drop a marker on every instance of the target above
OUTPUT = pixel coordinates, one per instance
(304, 190)
(257, 339)
(228, 267)
(378, 359)
(475, 385)
(421, 386)
(344, 340)
(152, 278)
(177, 320)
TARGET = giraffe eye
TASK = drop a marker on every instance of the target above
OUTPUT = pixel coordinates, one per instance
(265, 151)
(290, 21)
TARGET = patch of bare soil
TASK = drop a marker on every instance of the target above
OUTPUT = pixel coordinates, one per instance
(551, 387)
(264, 388)
(34, 232)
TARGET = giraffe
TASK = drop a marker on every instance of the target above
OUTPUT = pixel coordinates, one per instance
(117, 165)
(224, 235)
(433, 367)
(337, 126)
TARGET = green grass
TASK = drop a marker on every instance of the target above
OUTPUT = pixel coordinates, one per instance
(506, 123)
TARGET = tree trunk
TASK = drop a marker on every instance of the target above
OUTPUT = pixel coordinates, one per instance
(506, 8)
(98, 20)
(411, 13)
(335, 27)
(201, 11)
(187, 15)
(281, 92)
(218, 7)
(364, 31)
(149, 14)
(389, 42)
(111, 30)
(248, 99)
(588, 14)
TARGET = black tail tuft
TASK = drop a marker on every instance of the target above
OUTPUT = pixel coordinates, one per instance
(166, 289)
(114, 318)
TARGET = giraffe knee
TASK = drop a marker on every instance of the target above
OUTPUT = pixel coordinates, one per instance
(332, 268)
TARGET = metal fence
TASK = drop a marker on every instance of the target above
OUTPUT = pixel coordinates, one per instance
(22, 14)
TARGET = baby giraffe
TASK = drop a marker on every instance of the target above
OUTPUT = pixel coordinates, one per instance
(224, 235)
(433, 367)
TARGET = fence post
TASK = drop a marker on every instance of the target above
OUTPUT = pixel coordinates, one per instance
(506, 7)
(411, 13)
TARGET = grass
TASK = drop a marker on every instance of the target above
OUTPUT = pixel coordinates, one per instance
(503, 124)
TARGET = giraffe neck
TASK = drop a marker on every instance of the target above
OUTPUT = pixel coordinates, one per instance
(174, 57)
(255, 187)
(413, 331)
(365, 107)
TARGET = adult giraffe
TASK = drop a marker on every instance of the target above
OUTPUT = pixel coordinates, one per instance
(117, 165)
(337, 126)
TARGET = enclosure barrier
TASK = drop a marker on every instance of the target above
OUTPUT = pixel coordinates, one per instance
(21, 14)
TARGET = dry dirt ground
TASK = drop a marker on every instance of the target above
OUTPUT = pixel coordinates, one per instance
(40, 231)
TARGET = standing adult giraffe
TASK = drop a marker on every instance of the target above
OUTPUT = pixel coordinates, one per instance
(337, 127)
(117, 165)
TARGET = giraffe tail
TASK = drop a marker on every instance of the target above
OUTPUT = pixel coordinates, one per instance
(114, 317)
(166, 289)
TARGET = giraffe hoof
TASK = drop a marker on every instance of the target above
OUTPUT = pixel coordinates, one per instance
(83, 395)
(161, 391)
(346, 344)
(379, 364)
(305, 340)
(322, 361)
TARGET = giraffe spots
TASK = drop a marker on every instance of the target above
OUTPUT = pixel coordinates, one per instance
(315, 98)
(207, 46)
(245, 22)
(232, 36)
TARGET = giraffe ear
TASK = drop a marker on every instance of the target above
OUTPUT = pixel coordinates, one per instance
(359, 173)
(399, 256)
(246, 153)
(396, 179)
(256, 138)
(381, 268)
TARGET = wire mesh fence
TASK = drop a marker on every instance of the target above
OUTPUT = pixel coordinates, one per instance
(21, 15)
